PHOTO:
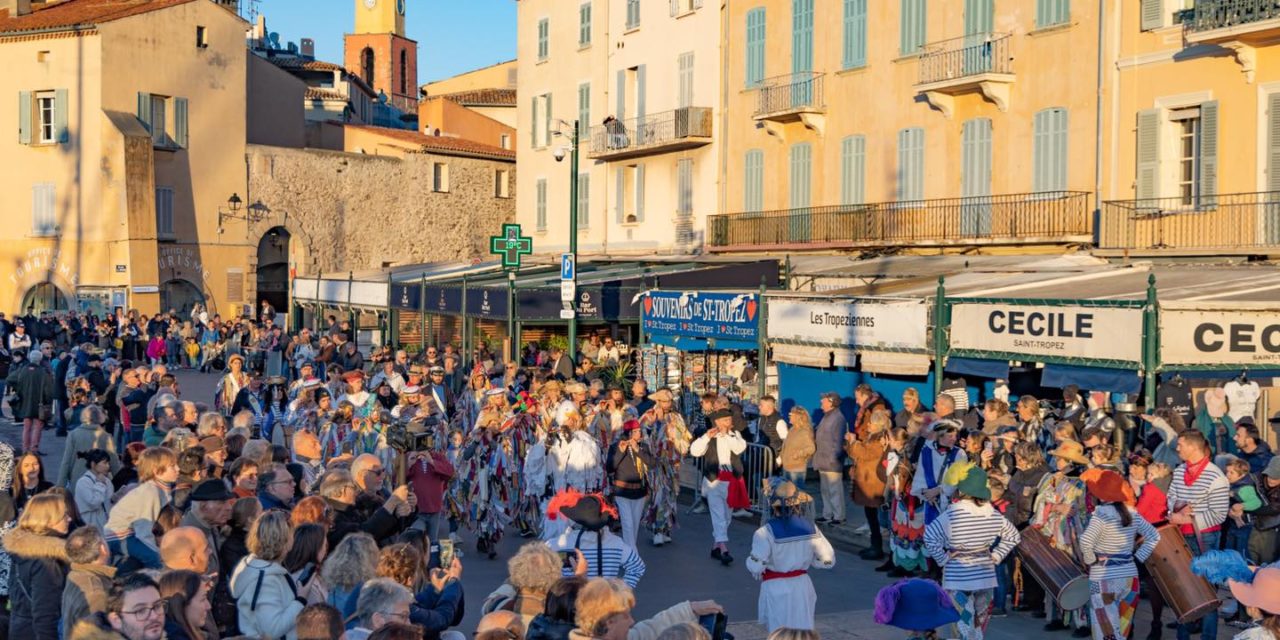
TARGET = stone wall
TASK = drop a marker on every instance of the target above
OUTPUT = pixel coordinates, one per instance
(354, 212)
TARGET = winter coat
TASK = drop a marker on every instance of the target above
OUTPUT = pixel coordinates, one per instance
(34, 385)
(35, 584)
(273, 614)
(85, 592)
(992, 426)
(544, 628)
(860, 424)
(828, 440)
(382, 524)
(81, 440)
(653, 627)
(797, 448)
(1021, 493)
(868, 472)
(93, 499)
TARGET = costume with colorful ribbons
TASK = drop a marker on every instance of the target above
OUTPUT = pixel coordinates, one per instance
(906, 519)
(1058, 489)
(669, 442)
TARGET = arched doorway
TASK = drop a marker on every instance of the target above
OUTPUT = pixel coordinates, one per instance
(181, 295)
(45, 297)
(273, 270)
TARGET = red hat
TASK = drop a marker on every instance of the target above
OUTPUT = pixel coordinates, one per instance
(1108, 486)
(354, 374)
(631, 425)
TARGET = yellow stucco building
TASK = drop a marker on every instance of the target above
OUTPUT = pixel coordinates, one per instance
(130, 137)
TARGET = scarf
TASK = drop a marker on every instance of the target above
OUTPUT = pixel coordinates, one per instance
(1193, 471)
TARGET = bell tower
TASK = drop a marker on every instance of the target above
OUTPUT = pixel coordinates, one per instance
(381, 55)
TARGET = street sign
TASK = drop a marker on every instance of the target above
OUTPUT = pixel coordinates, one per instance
(568, 268)
(567, 291)
(511, 246)
(566, 314)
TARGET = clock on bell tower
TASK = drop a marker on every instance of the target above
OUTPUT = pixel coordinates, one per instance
(378, 51)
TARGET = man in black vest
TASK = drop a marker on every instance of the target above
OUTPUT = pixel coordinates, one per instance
(720, 449)
(773, 429)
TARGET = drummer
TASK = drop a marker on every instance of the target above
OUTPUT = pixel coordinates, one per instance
(1107, 548)
(1059, 513)
(1199, 497)
(968, 540)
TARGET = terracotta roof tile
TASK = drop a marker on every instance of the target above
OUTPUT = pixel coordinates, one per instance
(440, 144)
(290, 62)
(79, 13)
(485, 97)
(314, 93)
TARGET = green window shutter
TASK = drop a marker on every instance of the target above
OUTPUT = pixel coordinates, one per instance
(584, 200)
(755, 46)
(546, 122)
(180, 122)
(1148, 154)
(801, 36)
(633, 14)
(144, 110)
(910, 165)
(542, 204)
(620, 193)
(753, 181)
(1209, 153)
(1049, 158)
(1053, 12)
(621, 111)
(584, 110)
(912, 26)
(853, 170)
(544, 38)
(979, 16)
(1152, 14)
(24, 117)
(61, 105)
(640, 93)
(1273, 142)
(855, 33)
(640, 193)
(584, 24)
(684, 186)
(533, 124)
(801, 172)
(975, 165)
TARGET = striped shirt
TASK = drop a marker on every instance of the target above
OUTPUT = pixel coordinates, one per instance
(1209, 497)
(1107, 546)
(613, 559)
(968, 541)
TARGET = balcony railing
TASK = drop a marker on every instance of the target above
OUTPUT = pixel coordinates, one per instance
(1235, 223)
(682, 128)
(789, 94)
(965, 57)
(1209, 15)
(1039, 218)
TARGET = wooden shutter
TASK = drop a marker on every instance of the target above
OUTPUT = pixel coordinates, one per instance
(144, 110)
(755, 46)
(584, 109)
(533, 124)
(801, 172)
(1049, 159)
(584, 24)
(61, 105)
(621, 110)
(546, 122)
(1148, 154)
(753, 181)
(855, 33)
(911, 27)
(24, 117)
(685, 62)
(1152, 14)
(180, 122)
(978, 16)
(853, 168)
(584, 200)
(801, 36)
(640, 193)
(1273, 142)
(620, 193)
(975, 166)
(1052, 12)
(910, 164)
(675, 7)
(1209, 154)
(640, 93)
(542, 204)
(684, 185)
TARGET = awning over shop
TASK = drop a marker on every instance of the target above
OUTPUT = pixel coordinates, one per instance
(981, 368)
(1057, 376)
(808, 356)
(895, 363)
(342, 293)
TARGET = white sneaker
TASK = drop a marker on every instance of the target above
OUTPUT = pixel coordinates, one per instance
(742, 513)
(862, 530)
(701, 507)
(659, 539)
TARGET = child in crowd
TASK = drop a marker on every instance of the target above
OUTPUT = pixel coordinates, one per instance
(1244, 498)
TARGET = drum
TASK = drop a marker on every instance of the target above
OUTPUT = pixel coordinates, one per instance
(1170, 566)
(1054, 570)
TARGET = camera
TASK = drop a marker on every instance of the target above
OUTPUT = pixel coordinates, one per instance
(559, 153)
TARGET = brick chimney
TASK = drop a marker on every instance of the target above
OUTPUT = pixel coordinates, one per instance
(308, 48)
(16, 7)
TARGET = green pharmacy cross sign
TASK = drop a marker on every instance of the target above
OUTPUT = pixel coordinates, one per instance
(511, 246)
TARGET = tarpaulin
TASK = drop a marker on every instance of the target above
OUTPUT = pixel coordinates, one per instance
(1057, 376)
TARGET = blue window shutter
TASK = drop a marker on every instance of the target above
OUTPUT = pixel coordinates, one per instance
(24, 117)
(1049, 158)
(620, 193)
(180, 121)
(753, 181)
(584, 200)
(800, 175)
(584, 110)
(853, 168)
(978, 16)
(1209, 153)
(542, 203)
(144, 110)
(755, 46)
(1148, 154)
(61, 105)
(855, 33)
(584, 24)
(640, 91)
(621, 111)
(1273, 142)
(912, 26)
(1053, 12)
(975, 166)
(534, 121)
(910, 165)
(801, 36)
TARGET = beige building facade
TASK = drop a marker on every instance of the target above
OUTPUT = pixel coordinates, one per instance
(641, 79)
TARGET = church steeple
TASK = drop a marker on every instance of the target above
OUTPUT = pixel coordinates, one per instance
(380, 16)
(378, 51)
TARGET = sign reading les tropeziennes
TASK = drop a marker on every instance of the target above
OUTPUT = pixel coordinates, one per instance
(702, 315)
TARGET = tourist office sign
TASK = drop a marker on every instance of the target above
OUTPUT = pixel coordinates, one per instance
(1093, 333)
(701, 314)
(861, 324)
(1208, 336)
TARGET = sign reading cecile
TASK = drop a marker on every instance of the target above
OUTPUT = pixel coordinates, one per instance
(1219, 336)
(1096, 333)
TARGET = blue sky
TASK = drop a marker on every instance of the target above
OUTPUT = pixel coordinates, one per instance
(453, 35)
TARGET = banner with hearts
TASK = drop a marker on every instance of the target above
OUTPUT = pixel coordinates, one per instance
(702, 314)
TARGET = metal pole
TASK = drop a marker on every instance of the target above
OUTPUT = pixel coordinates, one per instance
(573, 238)
(511, 316)
(466, 336)
(762, 359)
(940, 322)
(1151, 350)
(422, 314)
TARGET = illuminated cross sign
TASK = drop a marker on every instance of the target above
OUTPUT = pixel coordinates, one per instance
(511, 246)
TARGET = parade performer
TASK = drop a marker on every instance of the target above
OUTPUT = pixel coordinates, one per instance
(906, 511)
(610, 415)
(1199, 499)
(782, 552)
(252, 398)
(1059, 513)
(968, 540)
(362, 401)
(720, 448)
(274, 421)
(916, 605)
(938, 455)
(332, 427)
(224, 397)
(668, 439)
(439, 391)
(1107, 548)
(470, 402)
(628, 466)
(368, 435)
(607, 555)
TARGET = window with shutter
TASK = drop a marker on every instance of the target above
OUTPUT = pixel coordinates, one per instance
(584, 24)
(855, 33)
(620, 193)
(180, 122)
(144, 110)
(639, 182)
(685, 62)
(633, 14)
(534, 120)
(910, 165)
(159, 121)
(753, 181)
(853, 170)
(801, 156)
(43, 209)
(24, 117)
(641, 91)
(1052, 12)
(1273, 142)
(801, 36)
(1209, 154)
(1152, 13)
(584, 109)
(544, 39)
(912, 25)
(584, 200)
(61, 105)
(975, 176)
(164, 212)
(684, 186)
(755, 46)
(541, 188)
(1049, 153)
(1148, 154)
(546, 120)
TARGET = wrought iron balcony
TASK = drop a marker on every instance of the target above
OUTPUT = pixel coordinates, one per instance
(1222, 20)
(1053, 217)
(979, 62)
(791, 97)
(684, 128)
(1235, 223)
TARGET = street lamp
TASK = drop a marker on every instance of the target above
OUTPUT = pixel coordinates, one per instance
(253, 215)
(559, 154)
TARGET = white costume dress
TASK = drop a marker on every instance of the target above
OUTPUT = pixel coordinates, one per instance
(782, 552)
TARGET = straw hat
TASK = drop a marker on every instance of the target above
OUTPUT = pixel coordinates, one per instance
(1070, 450)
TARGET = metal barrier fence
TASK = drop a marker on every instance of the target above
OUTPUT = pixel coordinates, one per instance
(757, 466)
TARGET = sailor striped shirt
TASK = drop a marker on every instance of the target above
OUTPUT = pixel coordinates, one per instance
(612, 559)
(968, 541)
(1209, 496)
(1107, 546)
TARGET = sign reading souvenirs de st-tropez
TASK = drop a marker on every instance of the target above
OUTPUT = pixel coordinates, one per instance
(701, 314)
(1219, 336)
(1095, 333)
(858, 324)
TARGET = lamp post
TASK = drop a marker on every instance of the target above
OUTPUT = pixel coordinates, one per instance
(573, 225)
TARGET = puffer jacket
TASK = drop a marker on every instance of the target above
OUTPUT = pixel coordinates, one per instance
(544, 628)
(797, 448)
(36, 582)
(273, 613)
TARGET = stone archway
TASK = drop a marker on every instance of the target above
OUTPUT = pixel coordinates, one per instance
(181, 295)
(273, 269)
(45, 296)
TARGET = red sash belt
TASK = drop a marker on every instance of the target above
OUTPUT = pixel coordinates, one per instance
(778, 575)
(725, 476)
(1188, 530)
